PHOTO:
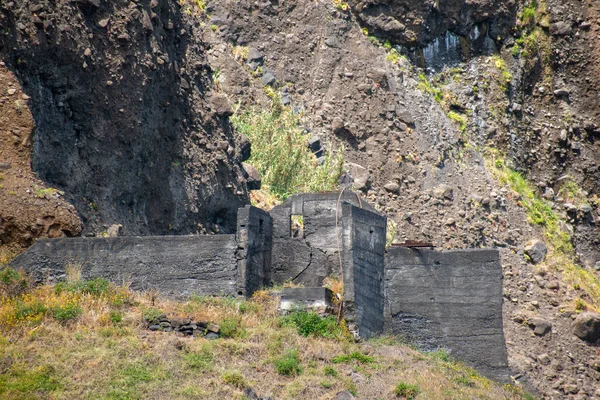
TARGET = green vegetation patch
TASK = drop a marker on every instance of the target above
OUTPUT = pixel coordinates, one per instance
(289, 363)
(202, 360)
(354, 356)
(406, 391)
(20, 382)
(540, 212)
(281, 155)
(309, 323)
(95, 287)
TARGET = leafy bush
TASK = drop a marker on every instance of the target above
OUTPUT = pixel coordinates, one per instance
(281, 155)
(66, 312)
(288, 364)
(406, 390)
(152, 315)
(330, 371)
(312, 324)
(360, 357)
(115, 317)
(441, 355)
(30, 310)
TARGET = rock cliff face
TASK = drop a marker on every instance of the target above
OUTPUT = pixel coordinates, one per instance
(418, 22)
(120, 92)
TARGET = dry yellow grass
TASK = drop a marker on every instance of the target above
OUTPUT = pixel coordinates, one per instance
(106, 353)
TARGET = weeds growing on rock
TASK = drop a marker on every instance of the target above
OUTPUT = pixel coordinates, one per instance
(540, 212)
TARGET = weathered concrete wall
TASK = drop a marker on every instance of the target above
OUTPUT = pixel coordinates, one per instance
(449, 299)
(175, 265)
(314, 254)
(254, 239)
(363, 237)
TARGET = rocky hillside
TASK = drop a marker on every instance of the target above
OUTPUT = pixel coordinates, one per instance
(444, 153)
(469, 123)
(126, 124)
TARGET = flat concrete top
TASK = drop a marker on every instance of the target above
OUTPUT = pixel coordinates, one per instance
(307, 294)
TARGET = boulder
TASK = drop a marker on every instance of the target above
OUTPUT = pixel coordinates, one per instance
(392, 187)
(562, 92)
(536, 250)
(587, 326)
(345, 395)
(337, 125)
(314, 144)
(254, 179)
(540, 326)
(268, 78)
(359, 174)
(560, 28)
(219, 103)
(245, 147)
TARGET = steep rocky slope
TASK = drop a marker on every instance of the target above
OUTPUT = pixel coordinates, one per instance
(120, 92)
(423, 169)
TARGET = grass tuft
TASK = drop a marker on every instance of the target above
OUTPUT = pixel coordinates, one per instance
(406, 391)
(354, 356)
(309, 323)
(288, 364)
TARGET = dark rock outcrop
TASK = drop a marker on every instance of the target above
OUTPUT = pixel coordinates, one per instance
(118, 93)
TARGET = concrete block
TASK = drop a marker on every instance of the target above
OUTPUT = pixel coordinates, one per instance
(315, 298)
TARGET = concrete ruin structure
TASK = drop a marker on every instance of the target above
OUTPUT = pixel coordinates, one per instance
(436, 299)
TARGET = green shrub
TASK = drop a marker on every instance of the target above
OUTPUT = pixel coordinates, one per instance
(406, 390)
(29, 310)
(330, 371)
(460, 119)
(441, 355)
(288, 364)
(234, 379)
(115, 317)
(360, 357)
(66, 313)
(326, 384)
(312, 324)
(281, 155)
